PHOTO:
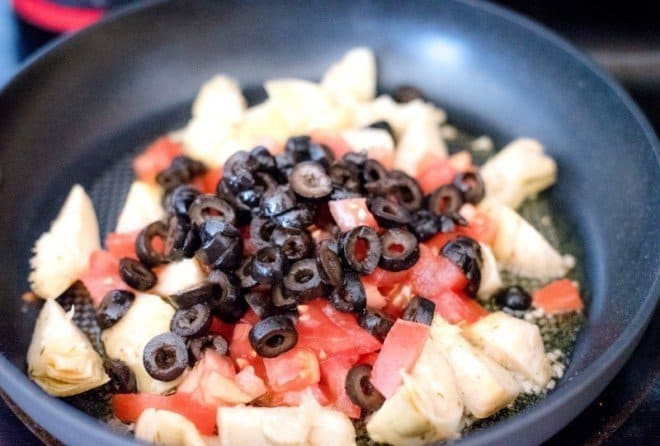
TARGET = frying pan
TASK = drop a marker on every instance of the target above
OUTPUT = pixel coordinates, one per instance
(77, 110)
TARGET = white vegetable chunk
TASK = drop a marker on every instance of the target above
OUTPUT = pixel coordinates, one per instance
(377, 142)
(210, 141)
(147, 317)
(421, 139)
(353, 76)
(61, 255)
(520, 170)
(520, 248)
(61, 359)
(220, 99)
(142, 206)
(514, 343)
(165, 428)
(485, 386)
(490, 275)
(178, 276)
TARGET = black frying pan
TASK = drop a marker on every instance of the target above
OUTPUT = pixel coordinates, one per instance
(75, 112)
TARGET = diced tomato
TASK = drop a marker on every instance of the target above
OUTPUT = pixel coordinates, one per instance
(455, 307)
(432, 274)
(369, 358)
(400, 351)
(128, 407)
(434, 175)
(327, 331)
(332, 140)
(333, 379)
(375, 300)
(560, 296)
(250, 317)
(102, 275)
(293, 370)
(351, 212)
(222, 328)
(240, 346)
(382, 155)
(156, 157)
(210, 180)
(480, 227)
(440, 239)
(122, 244)
(383, 278)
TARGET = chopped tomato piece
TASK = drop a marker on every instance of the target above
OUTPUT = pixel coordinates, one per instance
(240, 347)
(122, 244)
(455, 308)
(293, 370)
(432, 274)
(128, 407)
(440, 239)
(480, 227)
(250, 317)
(434, 175)
(400, 351)
(369, 358)
(222, 328)
(102, 275)
(383, 278)
(382, 155)
(210, 180)
(351, 212)
(337, 145)
(157, 157)
(560, 296)
(333, 373)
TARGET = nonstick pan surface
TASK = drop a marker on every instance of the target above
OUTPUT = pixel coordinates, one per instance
(76, 112)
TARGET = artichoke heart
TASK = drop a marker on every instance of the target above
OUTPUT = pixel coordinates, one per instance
(61, 359)
(142, 206)
(162, 427)
(354, 76)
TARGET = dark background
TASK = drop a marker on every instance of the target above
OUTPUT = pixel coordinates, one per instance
(622, 36)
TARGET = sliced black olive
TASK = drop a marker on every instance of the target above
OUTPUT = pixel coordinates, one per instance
(215, 226)
(300, 217)
(513, 297)
(244, 273)
(298, 148)
(419, 309)
(351, 296)
(182, 170)
(471, 185)
(309, 180)
(228, 304)
(136, 275)
(191, 166)
(282, 301)
(242, 210)
(388, 214)
(345, 176)
(360, 390)
(277, 201)
(296, 244)
(207, 206)
(197, 294)
(178, 228)
(284, 163)
(329, 263)
(223, 249)
(446, 200)
(400, 250)
(373, 171)
(405, 189)
(407, 93)
(273, 336)
(197, 346)
(261, 230)
(261, 160)
(466, 254)
(425, 224)
(237, 172)
(343, 194)
(193, 321)
(179, 200)
(383, 125)
(144, 247)
(261, 303)
(165, 356)
(303, 281)
(356, 158)
(122, 378)
(268, 265)
(375, 323)
(361, 249)
(321, 154)
(191, 244)
(113, 307)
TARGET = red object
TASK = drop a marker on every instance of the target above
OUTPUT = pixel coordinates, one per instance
(102, 275)
(55, 17)
(156, 157)
(293, 370)
(432, 274)
(383, 278)
(456, 307)
(337, 145)
(435, 175)
(128, 407)
(122, 244)
(333, 381)
(560, 296)
(351, 212)
(400, 351)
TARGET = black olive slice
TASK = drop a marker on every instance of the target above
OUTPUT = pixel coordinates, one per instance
(356, 158)
(361, 249)
(321, 154)
(261, 160)
(513, 297)
(466, 254)
(296, 244)
(446, 200)
(273, 336)
(407, 93)
(378, 325)
(299, 218)
(360, 389)
(244, 273)
(165, 357)
(114, 306)
(215, 226)
(400, 250)
(471, 185)
(197, 294)
(303, 281)
(122, 378)
(425, 224)
(283, 302)
(387, 213)
(351, 296)
(284, 163)
(373, 171)
(277, 201)
(268, 265)
(179, 200)
(419, 309)
(182, 170)
(329, 263)
(178, 228)
(261, 303)
(144, 247)
(405, 189)
(298, 148)
(222, 247)
(228, 304)
(193, 321)
(237, 173)
(309, 180)
(197, 346)
(207, 206)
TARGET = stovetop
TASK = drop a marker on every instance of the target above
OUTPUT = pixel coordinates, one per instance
(625, 41)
